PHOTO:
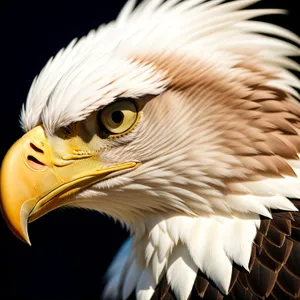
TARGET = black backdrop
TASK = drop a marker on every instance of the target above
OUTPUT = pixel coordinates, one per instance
(71, 249)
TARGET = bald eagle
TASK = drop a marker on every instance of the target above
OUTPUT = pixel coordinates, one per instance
(181, 120)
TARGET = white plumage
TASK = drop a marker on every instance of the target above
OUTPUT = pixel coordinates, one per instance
(152, 29)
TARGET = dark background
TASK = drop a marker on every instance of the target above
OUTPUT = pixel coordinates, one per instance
(71, 249)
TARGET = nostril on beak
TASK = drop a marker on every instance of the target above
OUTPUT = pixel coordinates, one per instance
(35, 163)
(35, 148)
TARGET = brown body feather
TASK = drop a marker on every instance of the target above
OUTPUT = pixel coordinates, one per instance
(274, 266)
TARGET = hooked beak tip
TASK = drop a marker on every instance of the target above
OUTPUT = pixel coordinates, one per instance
(20, 234)
(23, 236)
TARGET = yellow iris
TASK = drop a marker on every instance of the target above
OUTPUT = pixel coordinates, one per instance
(119, 117)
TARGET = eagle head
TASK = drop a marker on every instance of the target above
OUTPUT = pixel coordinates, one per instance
(178, 119)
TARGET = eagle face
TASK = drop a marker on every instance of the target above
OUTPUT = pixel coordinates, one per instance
(179, 120)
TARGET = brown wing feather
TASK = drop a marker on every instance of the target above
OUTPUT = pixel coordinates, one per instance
(201, 285)
(274, 266)
(163, 291)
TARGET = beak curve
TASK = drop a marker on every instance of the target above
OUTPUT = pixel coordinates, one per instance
(33, 182)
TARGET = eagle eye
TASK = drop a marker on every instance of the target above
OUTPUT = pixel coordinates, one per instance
(118, 117)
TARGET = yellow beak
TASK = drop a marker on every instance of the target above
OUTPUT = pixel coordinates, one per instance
(34, 180)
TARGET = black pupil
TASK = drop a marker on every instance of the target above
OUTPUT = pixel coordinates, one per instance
(117, 116)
